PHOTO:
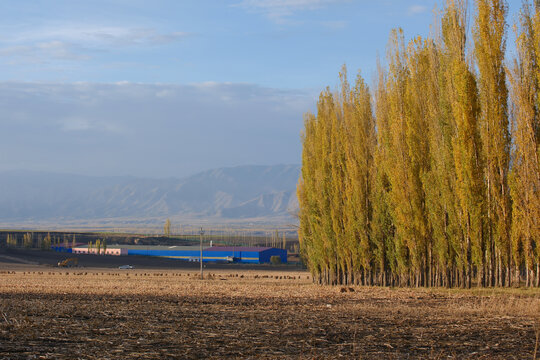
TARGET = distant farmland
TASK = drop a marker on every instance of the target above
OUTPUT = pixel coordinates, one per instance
(281, 238)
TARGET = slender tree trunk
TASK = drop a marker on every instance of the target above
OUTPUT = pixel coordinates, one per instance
(499, 269)
(429, 270)
(479, 277)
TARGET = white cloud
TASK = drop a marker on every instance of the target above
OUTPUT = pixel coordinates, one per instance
(78, 42)
(16, 50)
(60, 50)
(279, 9)
(164, 93)
(41, 51)
(97, 35)
(416, 9)
(128, 37)
(78, 124)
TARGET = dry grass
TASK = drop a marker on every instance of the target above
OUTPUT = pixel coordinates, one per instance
(173, 314)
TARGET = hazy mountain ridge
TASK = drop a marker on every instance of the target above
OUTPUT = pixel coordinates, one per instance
(229, 193)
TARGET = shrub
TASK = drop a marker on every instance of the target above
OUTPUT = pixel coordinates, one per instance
(275, 260)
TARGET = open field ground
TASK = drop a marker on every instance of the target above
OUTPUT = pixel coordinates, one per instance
(95, 313)
(10, 257)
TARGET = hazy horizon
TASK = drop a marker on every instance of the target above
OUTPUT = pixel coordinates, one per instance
(22, 171)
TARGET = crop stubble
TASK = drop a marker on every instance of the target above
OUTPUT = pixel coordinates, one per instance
(168, 314)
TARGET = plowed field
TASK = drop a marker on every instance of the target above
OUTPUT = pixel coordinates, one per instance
(114, 314)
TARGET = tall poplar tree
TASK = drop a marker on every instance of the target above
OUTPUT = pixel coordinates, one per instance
(419, 111)
(490, 47)
(440, 180)
(401, 186)
(525, 177)
(358, 131)
(466, 142)
(383, 230)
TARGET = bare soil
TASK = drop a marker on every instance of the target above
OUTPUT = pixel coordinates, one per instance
(158, 314)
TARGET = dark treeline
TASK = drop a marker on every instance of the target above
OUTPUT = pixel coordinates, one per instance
(432, 178)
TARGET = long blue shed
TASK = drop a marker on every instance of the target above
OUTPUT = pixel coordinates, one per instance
(254, 255)
(181, 254)
(241, 254)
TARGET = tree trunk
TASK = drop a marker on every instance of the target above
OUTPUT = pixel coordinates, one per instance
(499, 269)
(493, 262)
(480, 276)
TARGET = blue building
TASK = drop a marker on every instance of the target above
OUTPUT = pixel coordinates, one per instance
(61, 248)
(238, 254)
(253, 255)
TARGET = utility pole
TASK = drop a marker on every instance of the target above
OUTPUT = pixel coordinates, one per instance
(201, 233)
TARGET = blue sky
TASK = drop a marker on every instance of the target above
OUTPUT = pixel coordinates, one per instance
(168, 88)
(275, 43)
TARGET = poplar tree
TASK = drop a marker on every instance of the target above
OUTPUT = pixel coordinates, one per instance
(47, 242)
(440, 179)
(358, 151)
(490, 47)
(28, 240)
(313, 196)
(418, 119)
(463, 96)
(325, 198)
(337, 161)
(11, 240)
(400, 195)
(383, 230)
(525, 176)
(167, 228)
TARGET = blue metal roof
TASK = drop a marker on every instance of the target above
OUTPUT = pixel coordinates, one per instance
(237, 248)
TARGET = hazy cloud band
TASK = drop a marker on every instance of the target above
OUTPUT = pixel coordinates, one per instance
(148, 129)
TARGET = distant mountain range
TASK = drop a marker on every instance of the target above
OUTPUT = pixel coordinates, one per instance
(229, 193)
